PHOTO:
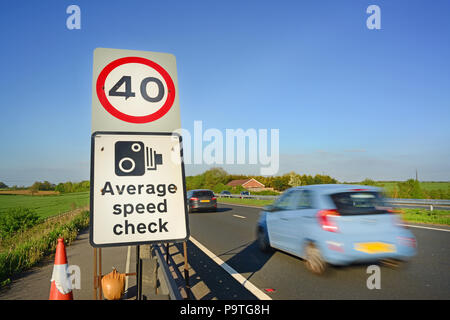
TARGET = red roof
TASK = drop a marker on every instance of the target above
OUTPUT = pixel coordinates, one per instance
(235, 183)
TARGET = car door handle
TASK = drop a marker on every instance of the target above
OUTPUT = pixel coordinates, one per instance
(284, 219)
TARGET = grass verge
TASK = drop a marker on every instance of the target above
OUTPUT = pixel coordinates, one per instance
(24, 249)
(441, 217)
(248, 202)
(426, 216)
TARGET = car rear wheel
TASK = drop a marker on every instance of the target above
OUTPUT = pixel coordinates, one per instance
(263, 240)
(314, 260)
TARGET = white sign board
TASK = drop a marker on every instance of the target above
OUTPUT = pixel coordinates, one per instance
(134, 91)
(138, 191)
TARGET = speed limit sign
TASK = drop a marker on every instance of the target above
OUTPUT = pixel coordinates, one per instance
(136, 155)
(134, 91)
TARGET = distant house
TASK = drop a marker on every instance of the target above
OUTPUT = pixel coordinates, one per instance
(249, 184)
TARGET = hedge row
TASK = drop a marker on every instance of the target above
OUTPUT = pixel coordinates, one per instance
(24, 250)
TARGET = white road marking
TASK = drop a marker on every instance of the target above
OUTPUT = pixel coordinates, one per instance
(238, 216)
(237, 276)
(421, 227)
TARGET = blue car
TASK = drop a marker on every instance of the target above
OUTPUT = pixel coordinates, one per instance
(334, 224)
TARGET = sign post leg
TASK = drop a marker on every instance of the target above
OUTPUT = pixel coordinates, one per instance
(100, 291)
(186, 271)
(95, 274)
(138, 274)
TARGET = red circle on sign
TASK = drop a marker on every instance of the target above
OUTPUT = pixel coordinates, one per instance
(126, 117)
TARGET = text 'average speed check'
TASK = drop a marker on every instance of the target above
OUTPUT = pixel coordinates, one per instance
(138, 193)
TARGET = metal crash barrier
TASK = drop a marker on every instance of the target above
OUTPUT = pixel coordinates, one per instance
(426, 203)
(156, 281)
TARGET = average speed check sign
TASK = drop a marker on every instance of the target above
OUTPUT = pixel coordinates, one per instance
(137, 174)
(138, 191)
(134, 91)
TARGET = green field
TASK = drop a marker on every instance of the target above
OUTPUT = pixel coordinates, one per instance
(45, 206)
(426, 186)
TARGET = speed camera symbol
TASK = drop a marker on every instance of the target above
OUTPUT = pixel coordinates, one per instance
(133, 158)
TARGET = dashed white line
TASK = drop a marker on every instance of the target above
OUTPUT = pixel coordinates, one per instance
(237, 276)
(238, 216)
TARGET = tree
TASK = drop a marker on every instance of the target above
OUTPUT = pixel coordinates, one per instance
(410, 189)
(68, 187)
(45, 186)
(294, 179)
(214, 176)
(369, 182)
(281, 183)
(194, 182)
(35, 187)
(3, 185)
(220, 187)
(60, 188)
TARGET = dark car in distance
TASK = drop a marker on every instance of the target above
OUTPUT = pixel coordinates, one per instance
(244, 193)
(201, 199)
(225, 193)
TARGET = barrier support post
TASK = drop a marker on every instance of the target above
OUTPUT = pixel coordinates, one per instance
(186, 271)
(95, 274)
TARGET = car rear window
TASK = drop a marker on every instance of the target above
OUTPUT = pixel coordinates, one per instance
(359, 203)
(203, 194)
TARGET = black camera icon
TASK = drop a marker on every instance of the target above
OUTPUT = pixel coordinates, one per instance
(133, 158)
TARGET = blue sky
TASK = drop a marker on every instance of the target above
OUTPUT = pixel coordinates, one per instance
(348, 101)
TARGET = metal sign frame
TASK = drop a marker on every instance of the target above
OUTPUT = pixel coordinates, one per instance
(91, 224)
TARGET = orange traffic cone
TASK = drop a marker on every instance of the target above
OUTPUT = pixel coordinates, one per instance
(61, 288)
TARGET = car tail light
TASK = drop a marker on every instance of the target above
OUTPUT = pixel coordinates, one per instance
(409, 242)
(193, 199)
(325, 222)
(213, 198)
(393, 210)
